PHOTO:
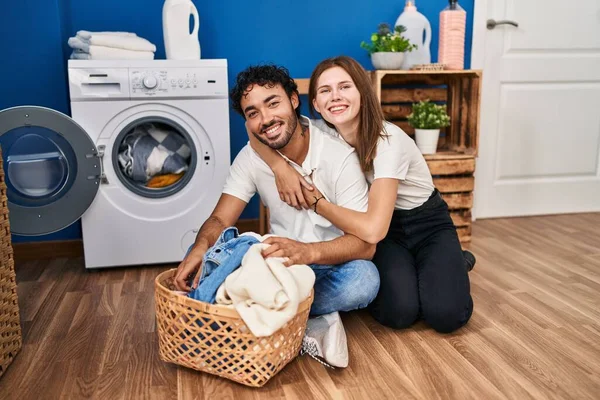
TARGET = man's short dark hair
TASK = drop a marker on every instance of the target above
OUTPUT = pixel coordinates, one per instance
(262, 75)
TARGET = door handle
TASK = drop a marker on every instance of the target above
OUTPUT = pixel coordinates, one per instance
(491, 23)
(100, 155)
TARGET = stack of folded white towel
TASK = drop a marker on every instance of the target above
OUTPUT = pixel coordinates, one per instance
(110, 46)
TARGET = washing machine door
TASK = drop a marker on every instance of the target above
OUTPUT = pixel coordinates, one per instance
(51, 166)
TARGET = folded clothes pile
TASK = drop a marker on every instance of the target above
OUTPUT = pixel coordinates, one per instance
(110, 46)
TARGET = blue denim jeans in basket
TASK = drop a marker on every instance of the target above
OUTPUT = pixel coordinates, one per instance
(224, 257)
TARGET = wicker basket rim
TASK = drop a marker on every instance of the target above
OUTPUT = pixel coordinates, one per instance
(214, 309)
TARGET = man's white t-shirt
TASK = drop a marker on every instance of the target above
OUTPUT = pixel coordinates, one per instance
(398, 157)
(335, 171)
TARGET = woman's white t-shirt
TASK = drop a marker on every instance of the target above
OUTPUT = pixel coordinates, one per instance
(398, 157)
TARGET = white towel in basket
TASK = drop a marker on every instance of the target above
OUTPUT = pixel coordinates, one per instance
(265, 292)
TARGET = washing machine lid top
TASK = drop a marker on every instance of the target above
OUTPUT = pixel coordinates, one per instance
(52, 169)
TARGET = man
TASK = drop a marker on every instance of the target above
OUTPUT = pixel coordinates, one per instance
(268, 99)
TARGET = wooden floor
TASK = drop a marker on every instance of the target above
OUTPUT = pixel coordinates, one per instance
(535, 332)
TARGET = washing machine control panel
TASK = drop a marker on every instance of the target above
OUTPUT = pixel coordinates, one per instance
(148, 82)
(178, 82)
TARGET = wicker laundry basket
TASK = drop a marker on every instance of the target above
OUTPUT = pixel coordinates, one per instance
(214, 339)
(10, 325)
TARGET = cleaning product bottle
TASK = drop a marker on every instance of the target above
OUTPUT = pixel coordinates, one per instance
(180, 44)
(416, 24)
(453, 23)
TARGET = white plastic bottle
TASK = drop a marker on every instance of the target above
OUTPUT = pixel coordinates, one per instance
(416, 24)
(180, 44)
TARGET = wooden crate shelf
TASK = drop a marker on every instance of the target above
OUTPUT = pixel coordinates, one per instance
(459, 90)
(454, 184)
(451, 164)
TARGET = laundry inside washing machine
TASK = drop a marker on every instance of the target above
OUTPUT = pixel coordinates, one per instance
(155, 157)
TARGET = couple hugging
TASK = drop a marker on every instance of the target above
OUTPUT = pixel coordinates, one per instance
(350, 195)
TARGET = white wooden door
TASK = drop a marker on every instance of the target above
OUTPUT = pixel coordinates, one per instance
(540, 107)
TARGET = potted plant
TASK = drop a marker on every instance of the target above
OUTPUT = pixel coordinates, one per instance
(428, 118)
(387, 48)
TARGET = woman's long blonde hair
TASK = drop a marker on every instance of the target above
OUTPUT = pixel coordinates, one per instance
(371, 119)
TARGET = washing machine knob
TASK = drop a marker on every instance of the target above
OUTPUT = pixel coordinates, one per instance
(150, 82)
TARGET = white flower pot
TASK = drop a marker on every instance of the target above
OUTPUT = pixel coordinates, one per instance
(387, 60)
(427, 140)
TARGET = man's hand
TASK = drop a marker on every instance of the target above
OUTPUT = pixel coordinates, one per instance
(191, 264)
(296, 252)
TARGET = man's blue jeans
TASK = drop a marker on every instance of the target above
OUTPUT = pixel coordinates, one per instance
(344, 287)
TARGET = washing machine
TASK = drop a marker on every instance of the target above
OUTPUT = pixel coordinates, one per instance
(60, 169)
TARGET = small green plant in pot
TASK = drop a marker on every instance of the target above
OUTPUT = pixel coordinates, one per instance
(428, 118)
(387, 48)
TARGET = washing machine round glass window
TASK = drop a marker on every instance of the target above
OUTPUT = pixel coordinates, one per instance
(40, 165)
(154, 157)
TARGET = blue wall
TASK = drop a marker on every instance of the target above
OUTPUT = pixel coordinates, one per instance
(33, 49)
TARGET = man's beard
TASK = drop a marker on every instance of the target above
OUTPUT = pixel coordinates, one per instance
(286, 136)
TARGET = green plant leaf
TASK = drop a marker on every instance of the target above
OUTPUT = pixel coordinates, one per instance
(384, 40)
(428, 115)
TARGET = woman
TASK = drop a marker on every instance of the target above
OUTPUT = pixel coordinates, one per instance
(423, 270)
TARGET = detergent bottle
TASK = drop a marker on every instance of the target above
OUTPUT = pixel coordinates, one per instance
(180, 44)
(416, 25)
(453, 21)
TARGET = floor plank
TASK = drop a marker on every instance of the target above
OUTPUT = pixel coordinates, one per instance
(535, 332)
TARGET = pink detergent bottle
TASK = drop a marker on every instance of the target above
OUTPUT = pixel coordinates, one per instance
(453, 25)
